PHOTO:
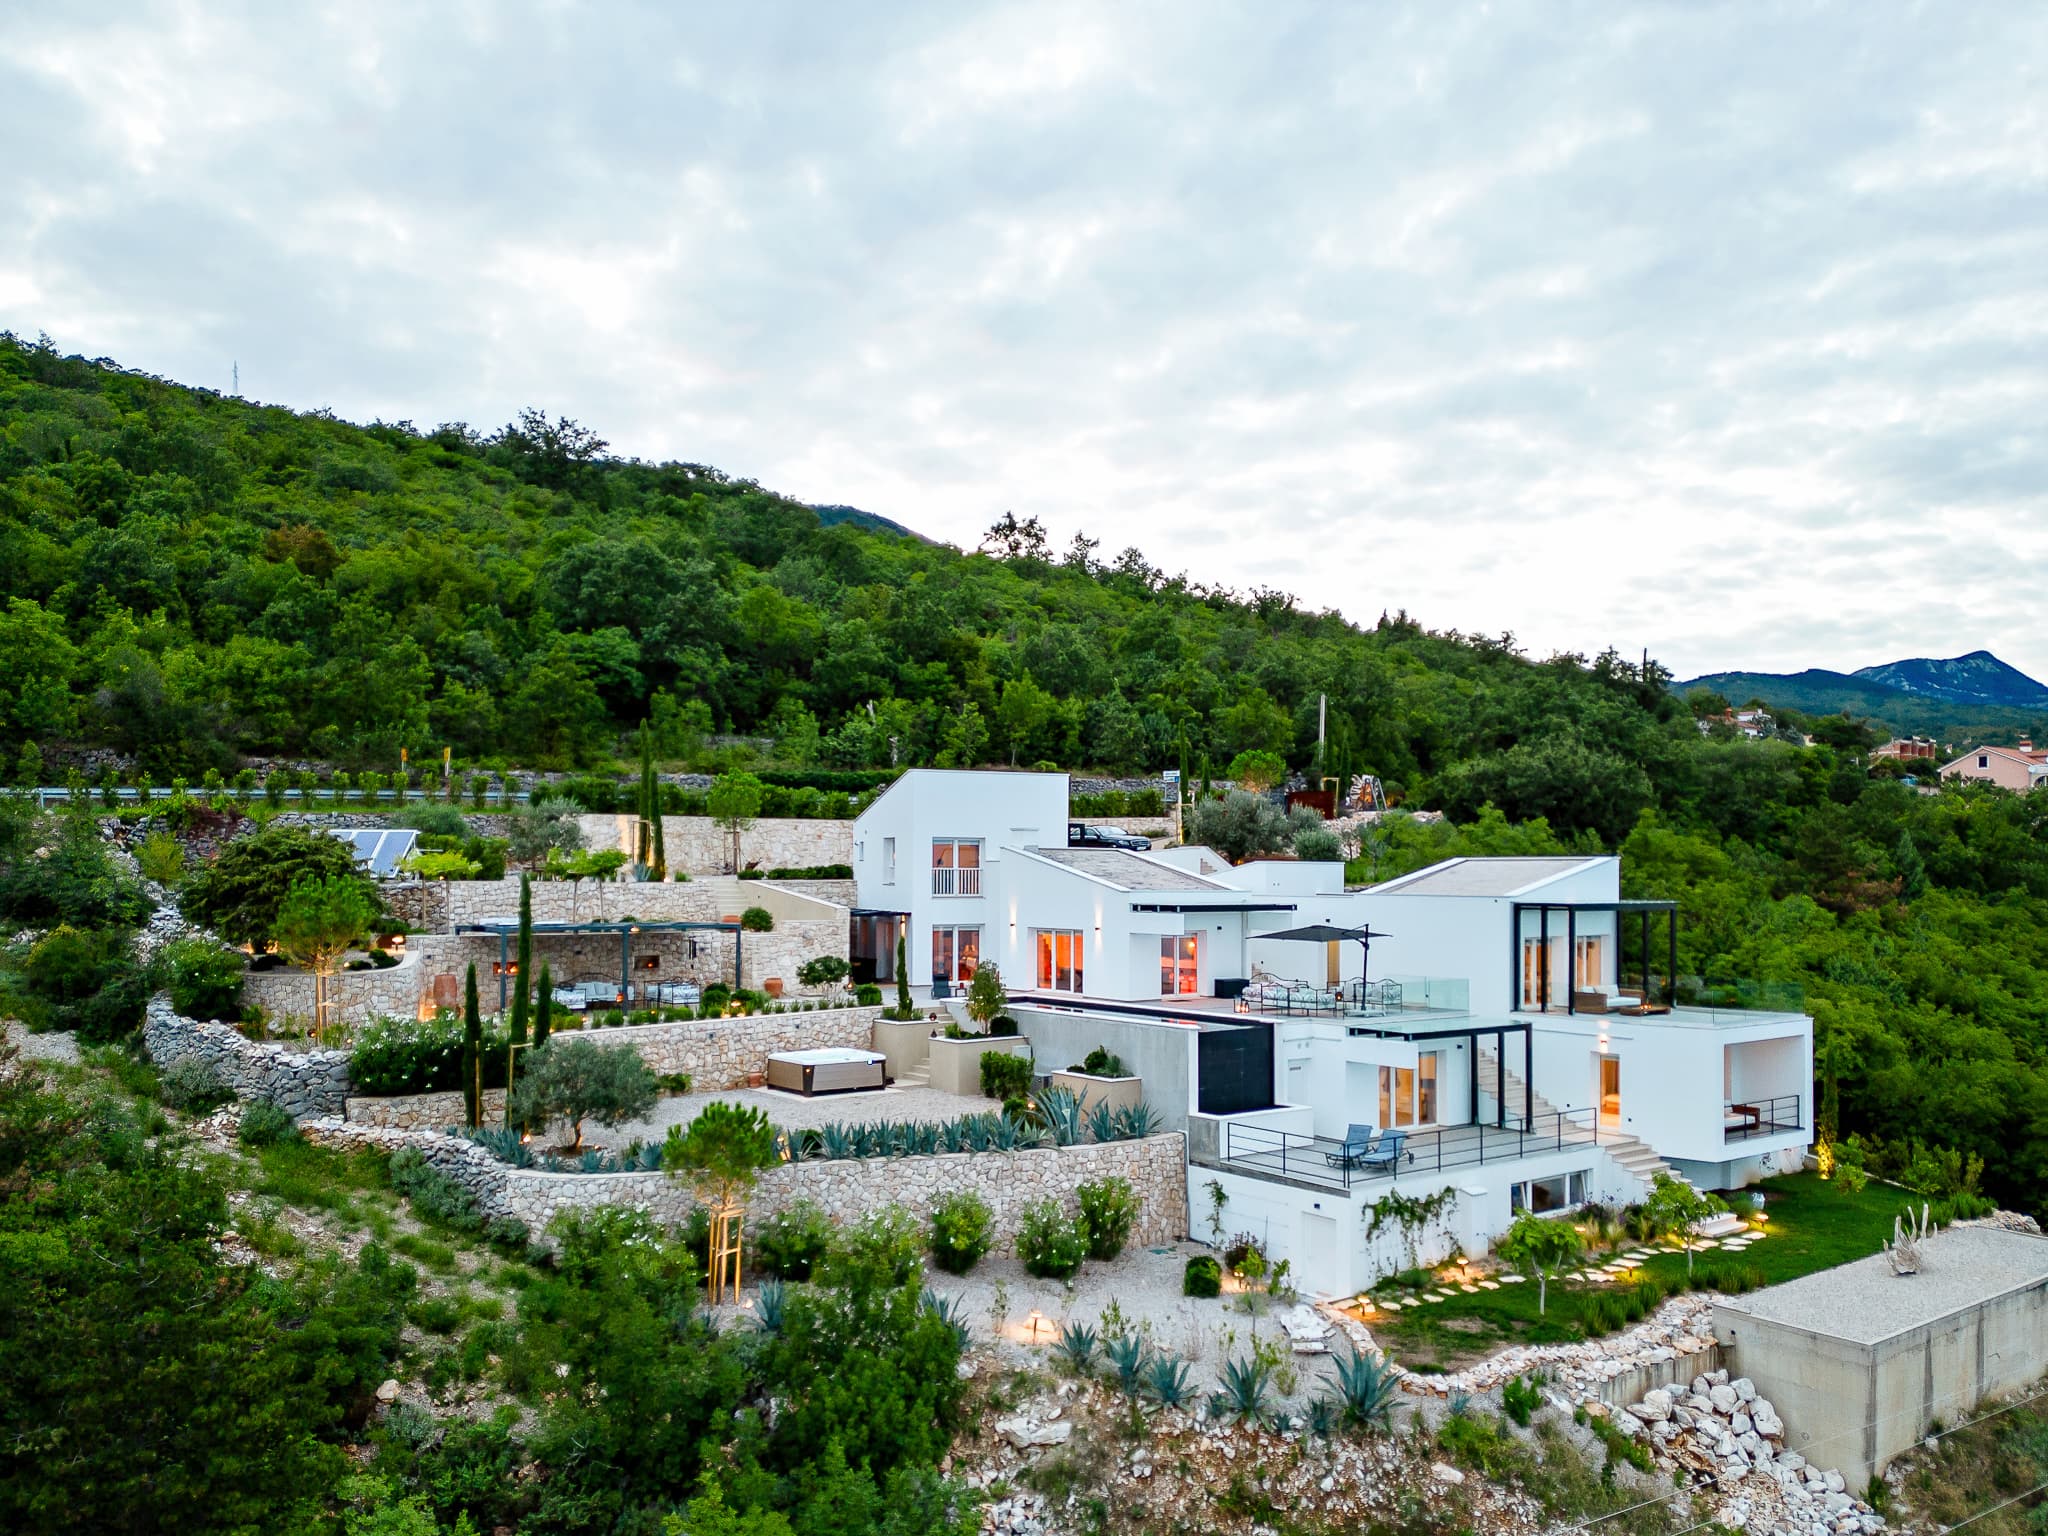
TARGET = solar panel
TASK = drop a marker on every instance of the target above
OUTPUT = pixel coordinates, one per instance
(378, 850)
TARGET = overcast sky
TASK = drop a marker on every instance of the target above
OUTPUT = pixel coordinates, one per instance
(1720, 330)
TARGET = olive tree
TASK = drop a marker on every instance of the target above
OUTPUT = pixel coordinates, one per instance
(576, 1080)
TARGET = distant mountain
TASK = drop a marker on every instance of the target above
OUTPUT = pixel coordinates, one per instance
(1978, 678)
(832, 515)
(1962, 701)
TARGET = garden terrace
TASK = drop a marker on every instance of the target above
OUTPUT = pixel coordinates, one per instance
(506, 931)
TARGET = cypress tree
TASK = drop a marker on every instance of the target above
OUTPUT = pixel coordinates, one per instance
(472, 1050)
(644, 835)
(523, 976)
(544, 1010)
(903, 1009)
(660, 847)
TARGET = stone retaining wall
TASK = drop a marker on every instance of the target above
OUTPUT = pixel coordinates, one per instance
(719, 1053)
(303, 1082)
(352, 996)
(421, 1111)
(700, 846)
(847, 1188)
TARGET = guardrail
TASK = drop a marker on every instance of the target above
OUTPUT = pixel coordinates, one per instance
(1746, 1119)
(1259, 1149)
(952, 881)
(313, 799)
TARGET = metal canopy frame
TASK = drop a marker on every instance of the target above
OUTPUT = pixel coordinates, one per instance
(1470, 1035)
(1571, 910)
(1220, 906)
(507, 929)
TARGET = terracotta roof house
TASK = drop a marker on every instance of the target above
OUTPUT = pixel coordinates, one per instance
(1908, 749)
(2018, 769)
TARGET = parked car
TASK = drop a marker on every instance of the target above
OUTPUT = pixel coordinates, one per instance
(1081, 835)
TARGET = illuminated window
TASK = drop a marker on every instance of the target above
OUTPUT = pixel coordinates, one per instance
(1059, 959)
(1177, 965)
(955, 953)
(1408, 1094)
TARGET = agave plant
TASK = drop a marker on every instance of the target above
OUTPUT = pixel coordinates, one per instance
(1076, 1346)
(1325, 1414)
(1102, 1121)
(1127, 1356)
(595, 1160)
(927, 1138)
(981, 1133)
(953, 1136)
(501, 1142)
(1366, 1389)
(774, 1301)
(1243, 1390)
(950, 1311)
(1136, 1122)
(1167, 1382)
(1060, 1109)
(835, 1141)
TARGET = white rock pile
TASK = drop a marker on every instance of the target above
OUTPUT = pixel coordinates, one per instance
(1721, 1430)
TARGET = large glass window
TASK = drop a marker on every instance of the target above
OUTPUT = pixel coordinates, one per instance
(1539, 972)
(1589, 970)
(1059, 959)
(1558, 1193)
(955, 953)
(888, 861)
(956, 867)
(1408, 1094)
(1177, 966)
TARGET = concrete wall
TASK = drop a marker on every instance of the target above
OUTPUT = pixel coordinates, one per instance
(956, 1064)
(1854, 1404)
(1161, 1054)
(698, 846)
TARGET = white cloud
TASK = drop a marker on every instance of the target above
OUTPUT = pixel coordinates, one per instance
(1716, 332)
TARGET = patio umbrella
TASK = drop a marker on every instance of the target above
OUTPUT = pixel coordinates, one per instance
(1326, 933)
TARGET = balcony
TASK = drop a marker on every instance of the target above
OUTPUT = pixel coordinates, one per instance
(1265, 1152)
(951, 881)
(1747, 1119)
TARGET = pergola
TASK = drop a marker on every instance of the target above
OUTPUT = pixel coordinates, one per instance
(507, 931)
(1622, 910)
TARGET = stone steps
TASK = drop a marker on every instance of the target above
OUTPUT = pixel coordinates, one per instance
(1633, 1156)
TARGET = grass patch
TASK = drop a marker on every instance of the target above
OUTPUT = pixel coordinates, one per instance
(438, 1257)
(135, 1074)
(1813, 1225)
(317, 1178)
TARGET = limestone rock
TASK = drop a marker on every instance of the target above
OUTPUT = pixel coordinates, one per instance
(1028, 1434)
(1655, 1406)
(387, 1391)
(1444, 1472)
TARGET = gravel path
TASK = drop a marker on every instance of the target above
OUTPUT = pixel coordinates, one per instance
(794, 1111)
(58, 1046)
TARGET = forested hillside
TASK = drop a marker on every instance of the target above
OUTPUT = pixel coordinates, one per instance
(192, 579)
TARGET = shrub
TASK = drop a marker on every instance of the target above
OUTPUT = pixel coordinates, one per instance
(1004, 1076)
(190, 1083)
(435, 1197)
(1101, 1063)
(1076, 1347)
(1109, 1210)
(434, 820)
(868, 995)
(1202, 1277)
(758, 920)
(963, 1229)
(881, 1249)
(205, 980)
(240, 894)
(793, 1242)
(394, 1056)
(85, 980)
(266, 1123)
(161, 858)
(1050, 1243)
(1519, 1399)
(824, 971)
(1002, 1026)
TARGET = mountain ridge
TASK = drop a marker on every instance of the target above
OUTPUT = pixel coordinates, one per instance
(1974, 696)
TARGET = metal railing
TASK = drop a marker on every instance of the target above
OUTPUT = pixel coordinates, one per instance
(1259, 1149)
(1745, 1119)
(950, 881)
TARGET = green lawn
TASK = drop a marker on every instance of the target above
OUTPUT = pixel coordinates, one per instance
(1813, 1225)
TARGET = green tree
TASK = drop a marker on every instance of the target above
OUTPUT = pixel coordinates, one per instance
(321, 919)
(578, 1080)
(522, 980)
(544, 1007)
(544, 825)
(240, 894)
(986, 995)
(472, 1051)
(1673, 1208)
(1539, 1249)
(734, 800)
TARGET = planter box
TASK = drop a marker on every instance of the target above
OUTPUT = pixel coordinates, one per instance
(1116, 1092)
(907, 1046)
(956, 1064)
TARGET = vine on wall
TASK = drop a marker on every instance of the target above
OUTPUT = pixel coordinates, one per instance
(1410, 1215)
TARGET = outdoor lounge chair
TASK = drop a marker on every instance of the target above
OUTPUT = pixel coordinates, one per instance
(1385, 1153)
(1357, 1143)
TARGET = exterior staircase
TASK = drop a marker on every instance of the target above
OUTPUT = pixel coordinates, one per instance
(1633, 1156)
(919, 1076)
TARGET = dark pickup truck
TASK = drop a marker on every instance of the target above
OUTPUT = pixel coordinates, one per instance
(1081, 835)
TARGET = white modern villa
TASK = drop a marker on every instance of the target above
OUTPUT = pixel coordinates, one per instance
(1505, 1028)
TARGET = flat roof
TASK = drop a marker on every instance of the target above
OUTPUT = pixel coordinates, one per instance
(1127, 871)
(1865, 1303)
(1485, 877)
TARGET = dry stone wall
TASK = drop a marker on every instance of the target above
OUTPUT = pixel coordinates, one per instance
(303, 1082)
(352, 996)
(700, 846)
(719, 1053)
(421, 1111)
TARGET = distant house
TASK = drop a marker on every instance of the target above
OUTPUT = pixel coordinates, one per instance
(1753, 724)
(2018, 769)
(1908, 749)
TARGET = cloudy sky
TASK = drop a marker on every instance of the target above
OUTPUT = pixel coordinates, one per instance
(1716, 329)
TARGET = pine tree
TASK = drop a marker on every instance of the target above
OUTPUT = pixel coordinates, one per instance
(472, 1051)
(523, 973)
(1912, 869)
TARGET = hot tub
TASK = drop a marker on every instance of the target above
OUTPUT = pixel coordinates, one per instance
(828, 1069)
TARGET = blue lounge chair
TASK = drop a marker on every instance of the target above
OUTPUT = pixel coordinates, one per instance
(1384, 1154)
(1358, 1141)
